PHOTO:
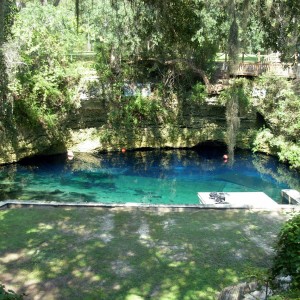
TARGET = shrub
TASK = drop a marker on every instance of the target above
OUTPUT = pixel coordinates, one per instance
(43, 84)
(8, 294)
(280, 109)
(287, 258)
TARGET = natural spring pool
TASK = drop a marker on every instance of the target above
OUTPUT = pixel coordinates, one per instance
(151, 177)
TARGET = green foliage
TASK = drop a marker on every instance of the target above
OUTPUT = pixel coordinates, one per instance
(260, 275)
(281, 106)
(198, 93)
(140, 108)
(236, 100)
(287, 259)
(43, 83)
(7, 13)
(8, 294)
(239, 89)
(280, 109)
(263, 142)
(168, 43)
(280, 22)
(286, 295)
(128, 112)
(287, 151)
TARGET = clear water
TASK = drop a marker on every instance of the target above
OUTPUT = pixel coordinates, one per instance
(155, 177)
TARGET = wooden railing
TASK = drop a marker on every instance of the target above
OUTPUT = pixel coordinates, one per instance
(257, 69)
(247, 69)
(83, 55)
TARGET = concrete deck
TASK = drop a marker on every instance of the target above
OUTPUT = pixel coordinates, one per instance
(250, 200)
(155, 207)
(292, 196)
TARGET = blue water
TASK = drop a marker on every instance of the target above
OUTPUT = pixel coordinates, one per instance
(157, 177)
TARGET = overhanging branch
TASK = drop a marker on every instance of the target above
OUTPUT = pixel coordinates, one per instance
(175, 61)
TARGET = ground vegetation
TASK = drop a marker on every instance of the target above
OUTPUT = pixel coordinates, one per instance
(281, 130)
(286, 262)
(85, 253)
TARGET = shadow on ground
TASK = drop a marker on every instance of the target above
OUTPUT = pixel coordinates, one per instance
(84, 253)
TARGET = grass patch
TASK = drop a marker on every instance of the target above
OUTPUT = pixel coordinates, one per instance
(112, 254)
(248, 58)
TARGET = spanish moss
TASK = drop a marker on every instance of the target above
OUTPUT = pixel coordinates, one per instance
(233, 125)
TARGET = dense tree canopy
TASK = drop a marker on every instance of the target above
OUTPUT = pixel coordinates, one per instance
(280, 20)
(7, 12)
(186, 33)
(172, 44)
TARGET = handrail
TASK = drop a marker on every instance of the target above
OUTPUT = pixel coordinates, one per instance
(258, 68)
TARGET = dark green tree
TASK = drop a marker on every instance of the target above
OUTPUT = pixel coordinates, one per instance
(7, 10)
(280, 20)
(287, 258)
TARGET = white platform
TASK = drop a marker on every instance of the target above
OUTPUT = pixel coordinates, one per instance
(292, 196)
(239, 200)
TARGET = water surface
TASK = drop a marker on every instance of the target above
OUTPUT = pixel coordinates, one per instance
(155, 177)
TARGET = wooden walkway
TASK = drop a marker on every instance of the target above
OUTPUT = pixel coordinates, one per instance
(247, 69)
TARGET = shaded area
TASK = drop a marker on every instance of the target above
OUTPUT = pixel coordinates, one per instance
(111, 254)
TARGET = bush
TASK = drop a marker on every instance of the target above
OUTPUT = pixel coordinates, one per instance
(44, 83)
(287, 258)
(287, 151)
(8, 294)
(280, 109)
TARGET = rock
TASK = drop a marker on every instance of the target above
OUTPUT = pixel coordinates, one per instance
(258, 294)
(237, 292)
(249, 297)
(86, 130)
(19, 141)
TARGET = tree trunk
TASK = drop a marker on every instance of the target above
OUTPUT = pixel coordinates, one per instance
(56, 2)
(189, 63)
(203, 75)
(197, 70)
(2, 20)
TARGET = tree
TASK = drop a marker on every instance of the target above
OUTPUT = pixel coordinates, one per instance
(287, 259)
(41, 87)
(280, 20)
(6, 19)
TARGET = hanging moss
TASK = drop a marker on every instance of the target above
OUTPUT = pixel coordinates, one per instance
(233, 124)
(236, 100)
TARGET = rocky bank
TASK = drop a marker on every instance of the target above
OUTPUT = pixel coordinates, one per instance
(86, 130)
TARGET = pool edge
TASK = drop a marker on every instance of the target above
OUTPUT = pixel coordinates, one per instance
(161, 207)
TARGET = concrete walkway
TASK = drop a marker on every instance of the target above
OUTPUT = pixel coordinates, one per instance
(248, 200)
(254, 201)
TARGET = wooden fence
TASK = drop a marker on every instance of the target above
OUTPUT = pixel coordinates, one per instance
(257, 69)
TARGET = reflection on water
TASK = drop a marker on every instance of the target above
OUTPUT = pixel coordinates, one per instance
(157, 177)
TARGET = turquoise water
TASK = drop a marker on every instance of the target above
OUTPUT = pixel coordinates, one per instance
(157, 177)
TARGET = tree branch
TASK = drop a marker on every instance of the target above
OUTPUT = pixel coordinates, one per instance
(175, 61)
